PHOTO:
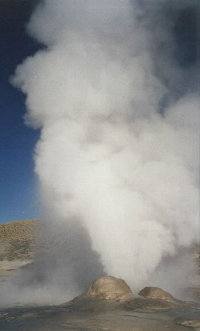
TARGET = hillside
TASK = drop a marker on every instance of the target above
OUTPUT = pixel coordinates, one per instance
(18, 247)
(17, 239)
(21, 230)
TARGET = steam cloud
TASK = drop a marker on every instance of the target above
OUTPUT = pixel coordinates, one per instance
(115, 94)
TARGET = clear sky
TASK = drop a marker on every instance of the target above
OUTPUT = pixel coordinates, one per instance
(18, 198)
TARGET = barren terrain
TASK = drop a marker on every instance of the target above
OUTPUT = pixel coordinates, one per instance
(17, 248)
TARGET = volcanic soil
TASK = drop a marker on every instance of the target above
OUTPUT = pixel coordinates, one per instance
(107, 304)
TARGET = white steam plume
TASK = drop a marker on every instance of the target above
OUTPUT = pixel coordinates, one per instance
(119, 127)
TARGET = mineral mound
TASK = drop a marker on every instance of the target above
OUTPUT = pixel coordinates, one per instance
(157, 293)
(108, 288)
(110, 294)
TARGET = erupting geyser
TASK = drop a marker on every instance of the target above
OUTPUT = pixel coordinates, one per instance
(118, 110)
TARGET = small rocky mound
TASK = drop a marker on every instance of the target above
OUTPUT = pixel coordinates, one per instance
(157, 293)
(191, 323)
(108, 288)
(113, 294)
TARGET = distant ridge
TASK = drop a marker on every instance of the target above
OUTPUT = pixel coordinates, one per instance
(19, 244)
(19, 230)
(17, 239)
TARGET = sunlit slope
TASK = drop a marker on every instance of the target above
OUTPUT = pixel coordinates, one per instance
(17, 239)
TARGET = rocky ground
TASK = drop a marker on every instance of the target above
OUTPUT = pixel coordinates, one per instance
(17, 240)
(108, 303)
(17, 246)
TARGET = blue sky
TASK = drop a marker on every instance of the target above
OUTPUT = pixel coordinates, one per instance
(18, 195)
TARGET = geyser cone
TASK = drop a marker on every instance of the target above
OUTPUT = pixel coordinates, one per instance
(108, 288)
